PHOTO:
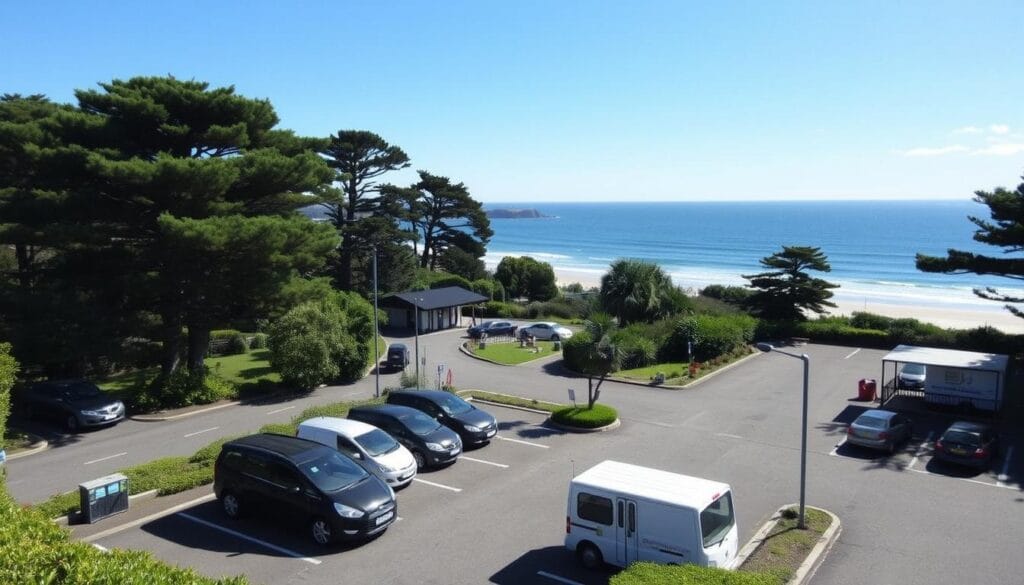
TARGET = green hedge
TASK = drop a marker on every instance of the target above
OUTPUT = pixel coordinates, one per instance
(38, 551)
(712, 336)
(8, 370)
(586, 418)
(335, 409)
(652, 574)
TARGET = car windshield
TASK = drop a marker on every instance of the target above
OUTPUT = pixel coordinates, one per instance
(872, 422)
(377, 442)
(962, 437)
(79, 391)
(419, 423)
(716, 520)
(913, 369)
(331, 471)
(452, 404)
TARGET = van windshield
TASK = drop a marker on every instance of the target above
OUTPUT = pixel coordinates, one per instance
(716, 520)
(419, 423)
(332, 471)
(377, 442)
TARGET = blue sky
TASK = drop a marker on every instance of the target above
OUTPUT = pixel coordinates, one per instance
(585, 101)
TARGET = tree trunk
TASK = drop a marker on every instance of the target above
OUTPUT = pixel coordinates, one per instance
(198, 345)
(170, 334)
(24, 256)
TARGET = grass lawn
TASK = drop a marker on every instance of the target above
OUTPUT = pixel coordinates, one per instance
(646, 373)
(511, 353)
(514, 400)
(243, 368)
(15, 440)
(786, 546)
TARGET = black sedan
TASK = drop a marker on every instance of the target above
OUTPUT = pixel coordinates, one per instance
(492, 328)
(967, 443)
(75, 403)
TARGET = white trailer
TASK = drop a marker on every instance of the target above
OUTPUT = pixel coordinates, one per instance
(619, 513)
(954, 377)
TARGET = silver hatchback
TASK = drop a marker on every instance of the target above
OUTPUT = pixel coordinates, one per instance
(879, 429)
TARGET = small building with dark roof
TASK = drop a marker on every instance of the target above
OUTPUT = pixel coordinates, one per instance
(438, 308)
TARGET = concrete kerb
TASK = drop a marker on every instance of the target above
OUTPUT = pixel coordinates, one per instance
(684, 386)
(814, 559)
(608, 427)
(36, 447)
(141, 497)
(502, 404)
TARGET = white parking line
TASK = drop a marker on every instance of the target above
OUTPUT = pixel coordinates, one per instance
(201, 432)
(105, 458)
(853, 353)
(281, 410)
(834, 450)
(920, 451)
(262, 543)
(967, 479)
(442, 486)
(1006, 467)
(502, 465)
(557, 578)
(730, 435)
(100, 547)
(522, 442)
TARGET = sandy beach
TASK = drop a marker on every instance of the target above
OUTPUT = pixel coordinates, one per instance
(954, 317)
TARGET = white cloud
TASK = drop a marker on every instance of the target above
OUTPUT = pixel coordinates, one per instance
(1002, 149)
(999, 128)
(934, 151)
(968, 130)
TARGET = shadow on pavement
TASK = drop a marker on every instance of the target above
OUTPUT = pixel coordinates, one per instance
(553, 560)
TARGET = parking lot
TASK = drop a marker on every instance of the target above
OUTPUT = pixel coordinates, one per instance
(498, 514)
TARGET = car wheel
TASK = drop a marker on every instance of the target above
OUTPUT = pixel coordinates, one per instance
(421, 461)
(554, 337)
(321, 531)
(231, 505)
(71, 423)
(589, 556)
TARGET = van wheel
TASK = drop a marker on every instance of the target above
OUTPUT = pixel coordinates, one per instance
(321, 532)
(231, 505)
(421, 461)
(589, 556)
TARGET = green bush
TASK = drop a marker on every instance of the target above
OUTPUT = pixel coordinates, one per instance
(712, 336)
(502, 310)
(259, 341)
(653, 574)
(574, 351)
(8, 371)
(451, 280)
(734, 295)
(280, 428)
(586, 418)
(237, 344)
(38, 551)
(862, 320)
(184, 388)
(311, 345)
(560, 308)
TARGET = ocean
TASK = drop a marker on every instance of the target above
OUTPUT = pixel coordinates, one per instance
(870, 244)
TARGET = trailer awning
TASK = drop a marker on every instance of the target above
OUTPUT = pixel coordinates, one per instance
(950, 358)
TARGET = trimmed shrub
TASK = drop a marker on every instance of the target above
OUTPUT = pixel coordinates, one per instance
(38, 551)
(8, 370)
(712, 336)
(585, 418)
(574, 351)
(237, 344)
(185, 388)
(259, 341)
(311, 345)
(653, 574)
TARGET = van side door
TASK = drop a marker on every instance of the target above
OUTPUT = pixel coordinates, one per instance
(626, 538)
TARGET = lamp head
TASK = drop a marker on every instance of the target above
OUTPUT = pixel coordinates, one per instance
(765, 347)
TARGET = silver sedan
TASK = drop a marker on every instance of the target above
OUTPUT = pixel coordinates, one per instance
(879, 429)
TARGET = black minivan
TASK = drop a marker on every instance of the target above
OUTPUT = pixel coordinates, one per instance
(335, 496)
(431, 443)
(398, 356)
(475, 426)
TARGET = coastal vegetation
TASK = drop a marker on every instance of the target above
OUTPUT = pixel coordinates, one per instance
(1003, 231)
(524, 277)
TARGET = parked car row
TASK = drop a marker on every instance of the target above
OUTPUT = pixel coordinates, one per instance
(339, 475)
(547, 330)
(962, 443)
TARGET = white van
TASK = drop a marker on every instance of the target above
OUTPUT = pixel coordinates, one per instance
(620, 513)
(364, 442)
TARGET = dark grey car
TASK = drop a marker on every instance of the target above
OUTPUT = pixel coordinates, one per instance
(431, 443)
(879, 429)
(74, 403)
(475, 426)
(967, 443)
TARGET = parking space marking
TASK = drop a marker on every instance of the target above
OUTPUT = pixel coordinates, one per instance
(201, 432)
(100, 547)
(920, 451)
(105, 458)
(501, 465)
(557, 578)
(440, 485)
(730, 435)
(967, 479)
(1006, 467)
(281, 410)
(835, 450)
(853, 353)
(522, 442)
(262, 543)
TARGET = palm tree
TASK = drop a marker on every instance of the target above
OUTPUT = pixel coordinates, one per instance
(636, 290)
(602, 356)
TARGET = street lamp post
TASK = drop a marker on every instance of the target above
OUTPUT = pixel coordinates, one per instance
(416, 306)
(767, 347)
(376, 329)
